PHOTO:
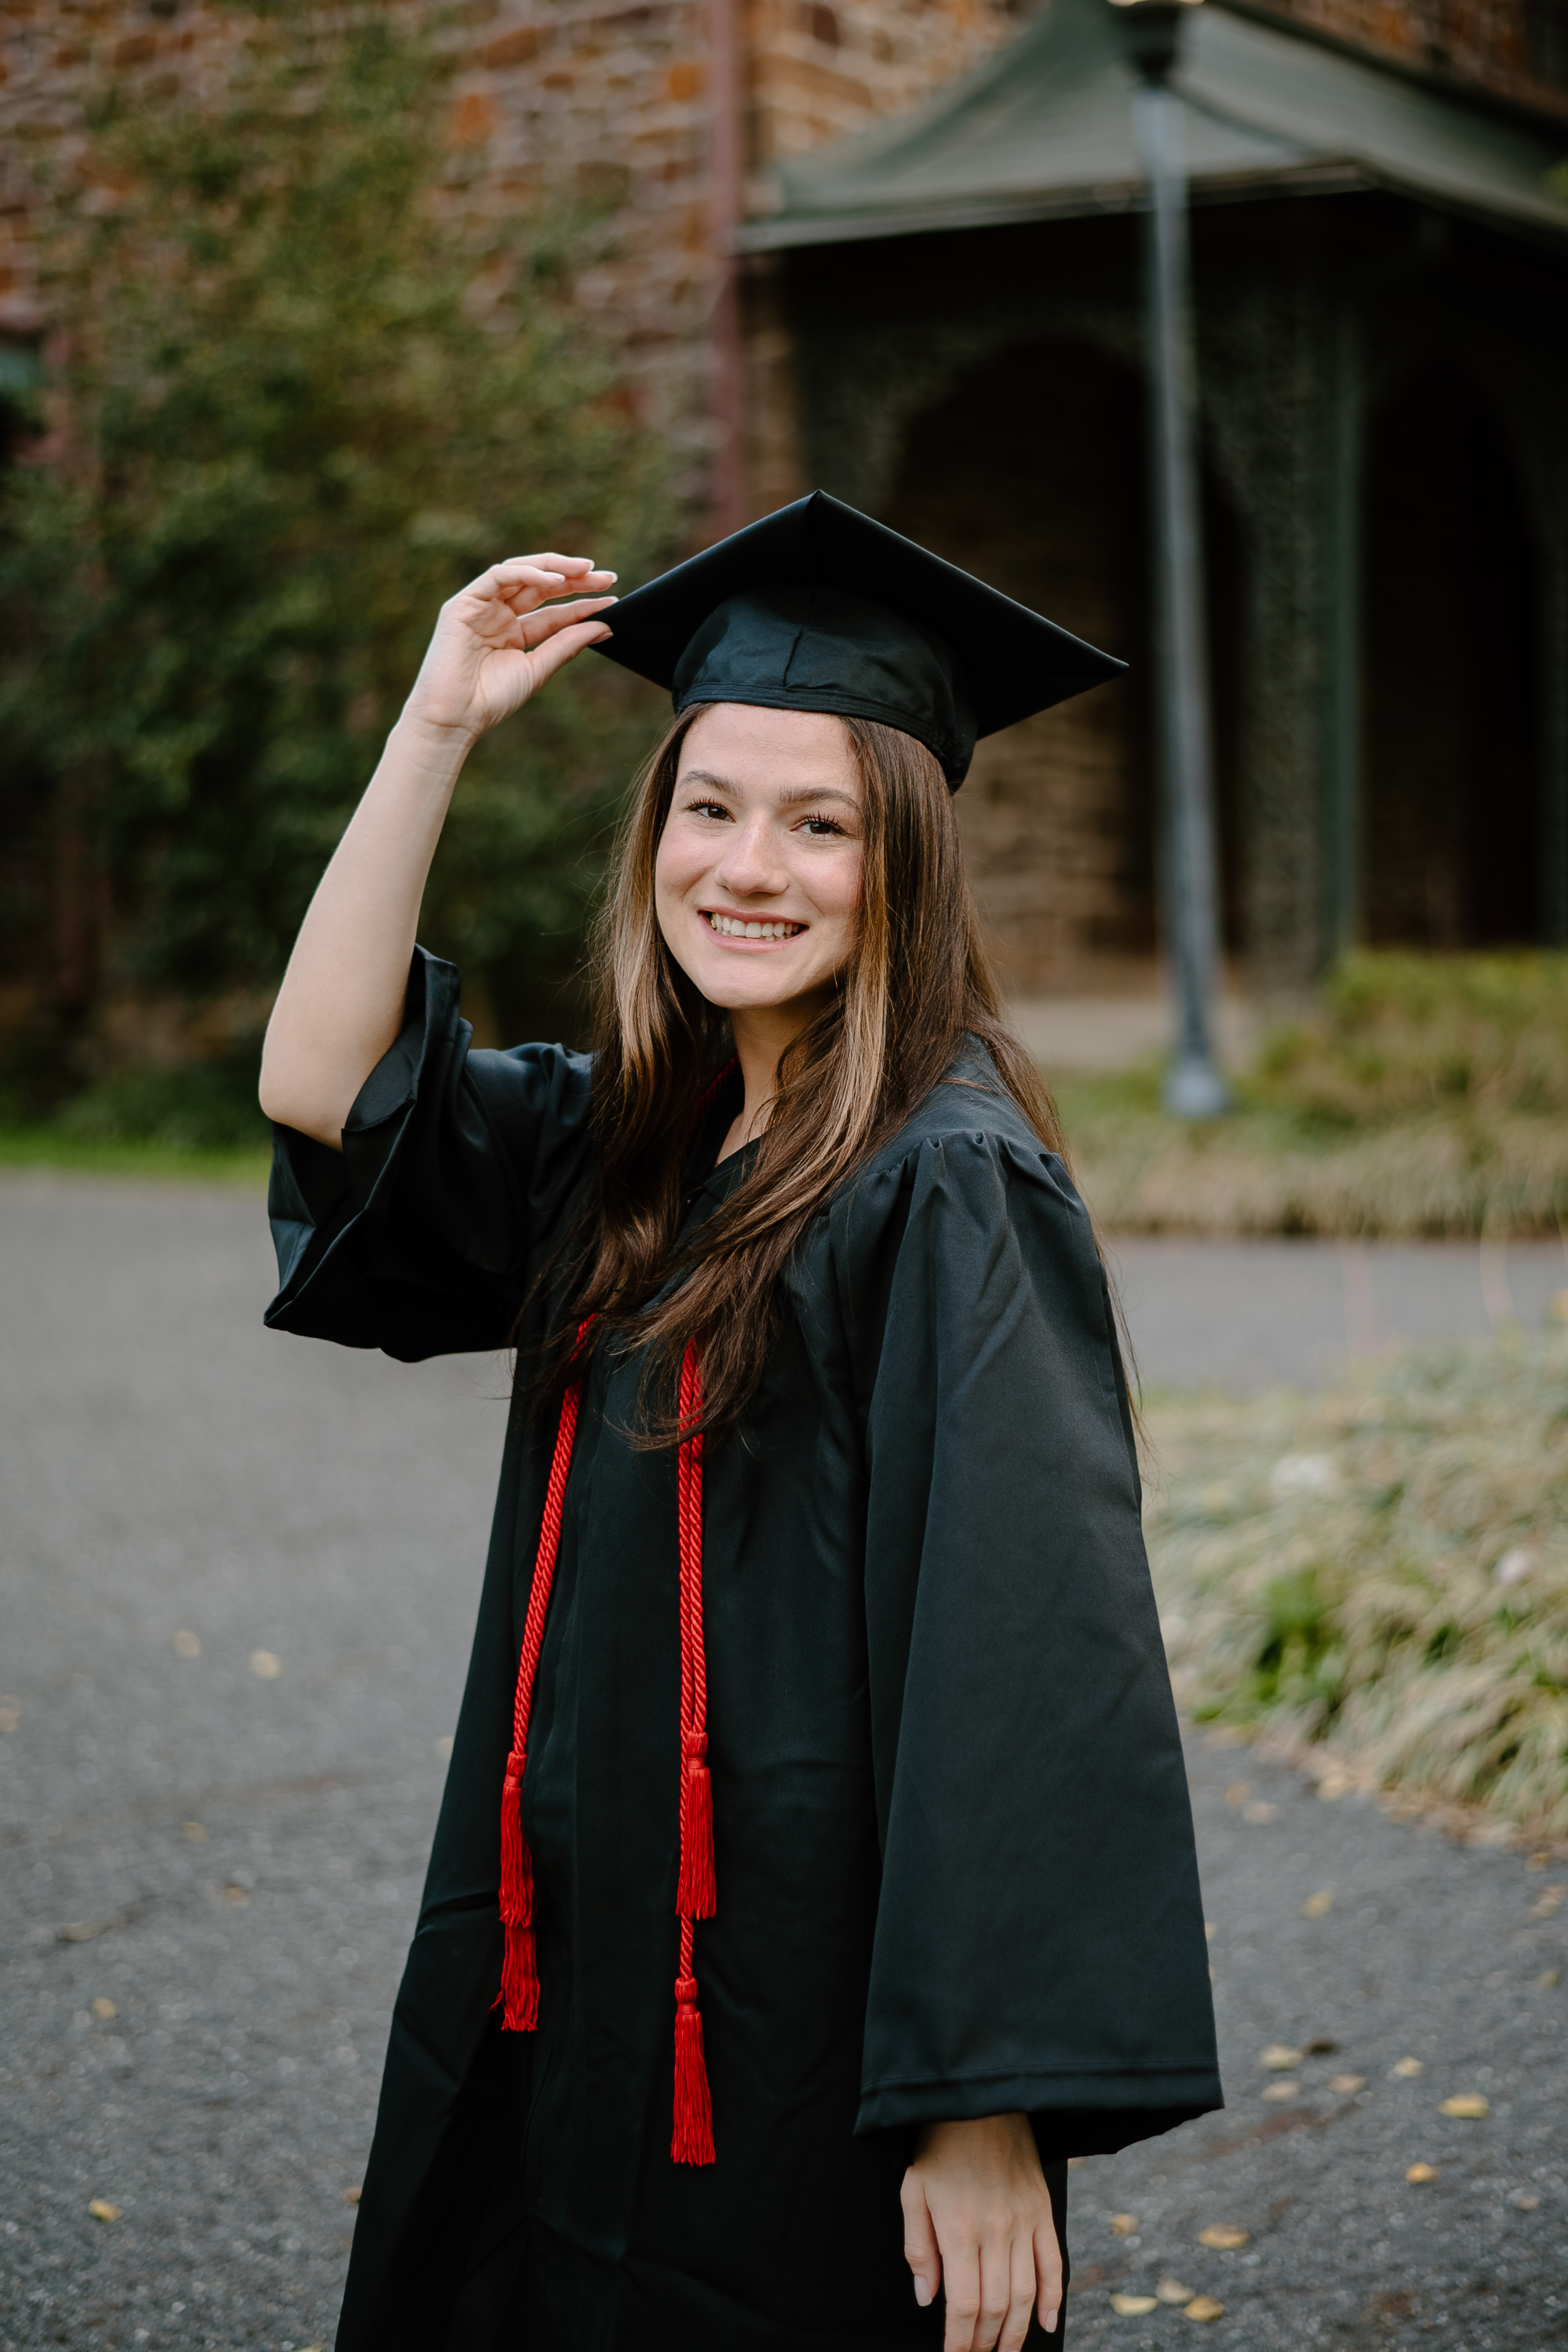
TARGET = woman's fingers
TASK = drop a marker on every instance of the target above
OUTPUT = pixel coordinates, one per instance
(530, 580)
(1020, 2255)
(921, 2250)
(558, 650)
(963, 2332)
(996, 2295)
(536, 627)
(1047, 2267)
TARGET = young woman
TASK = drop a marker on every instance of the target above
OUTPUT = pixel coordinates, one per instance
(816, 1873)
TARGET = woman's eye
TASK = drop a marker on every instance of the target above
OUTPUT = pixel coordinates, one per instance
(709, 808)
(821, 828)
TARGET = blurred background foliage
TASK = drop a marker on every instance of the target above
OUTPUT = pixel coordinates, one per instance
(296, 396)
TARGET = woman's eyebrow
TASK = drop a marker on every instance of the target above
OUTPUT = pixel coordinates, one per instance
(794, 795)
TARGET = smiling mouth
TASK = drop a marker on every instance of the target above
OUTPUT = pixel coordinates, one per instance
(731, 927)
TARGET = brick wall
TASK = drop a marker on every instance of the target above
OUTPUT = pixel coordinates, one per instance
(1518, 48)
(610, 97)
(606, 97)
(1029, 472)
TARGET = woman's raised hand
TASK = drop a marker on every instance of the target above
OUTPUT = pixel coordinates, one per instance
(341, 1004)
(499, 638)
(978, 2223)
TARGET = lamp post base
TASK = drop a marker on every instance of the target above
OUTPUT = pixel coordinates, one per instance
(1194, 1088)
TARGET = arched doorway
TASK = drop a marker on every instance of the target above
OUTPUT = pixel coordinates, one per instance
(1450, 797)
(1031, 471)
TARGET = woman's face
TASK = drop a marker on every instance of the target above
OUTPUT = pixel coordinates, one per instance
(757, 882)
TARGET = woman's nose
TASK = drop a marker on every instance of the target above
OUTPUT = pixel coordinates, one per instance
(751, 864)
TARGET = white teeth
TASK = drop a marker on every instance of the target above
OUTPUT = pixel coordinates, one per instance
(729, 929)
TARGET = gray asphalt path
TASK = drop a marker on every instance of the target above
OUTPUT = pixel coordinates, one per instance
(1244, 1314)
(210, 1869)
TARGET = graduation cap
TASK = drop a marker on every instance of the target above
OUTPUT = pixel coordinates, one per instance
(818, 608)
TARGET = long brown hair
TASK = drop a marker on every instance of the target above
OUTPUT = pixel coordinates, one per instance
(917, 979)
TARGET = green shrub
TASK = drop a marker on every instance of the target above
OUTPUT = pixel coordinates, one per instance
(304, 389)
(209, 1107)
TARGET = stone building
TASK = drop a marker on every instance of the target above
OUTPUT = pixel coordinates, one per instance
(890, 247)
(1381, 262)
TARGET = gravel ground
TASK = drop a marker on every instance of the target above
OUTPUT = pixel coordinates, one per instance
(209, 1863)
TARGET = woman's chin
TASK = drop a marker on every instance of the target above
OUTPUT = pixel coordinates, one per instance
(753, 984)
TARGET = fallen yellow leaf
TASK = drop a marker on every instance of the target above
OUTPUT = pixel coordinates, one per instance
(1466, 2103)
(1525, 2199)
(1259, 1813)
(1224, 2234)
(1548, 1978)
(1408, 2068)
(1170, 2290)
(266, 1664)
(350, 2196)
(1549, 1900)
(1280, 2058)
(232, 1894)
(104, 2010)
(1283, 2091)
(1124, 2225)
(102, 2211)
(1238, 1792)
(1133, 2306)
(10, 1715)
(1319, 1906)
(186, 1644)
(1421, 2172)
(192, 1832)
(1204, 2306)
(1343, 2085)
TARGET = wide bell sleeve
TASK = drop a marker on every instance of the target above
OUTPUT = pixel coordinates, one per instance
(423, 1236)
(1039, 1941)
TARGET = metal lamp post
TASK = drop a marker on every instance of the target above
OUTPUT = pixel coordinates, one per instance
(1193, 1087)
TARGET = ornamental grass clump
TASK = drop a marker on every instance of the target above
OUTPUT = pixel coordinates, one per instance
(1383, 1569)
(1399, 1033)
(1425, 1095)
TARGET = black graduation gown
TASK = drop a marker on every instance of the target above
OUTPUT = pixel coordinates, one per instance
(955, 1852)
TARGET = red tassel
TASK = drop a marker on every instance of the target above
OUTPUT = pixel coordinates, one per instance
(518, 1999)
(693, 2140)
(697, 1897)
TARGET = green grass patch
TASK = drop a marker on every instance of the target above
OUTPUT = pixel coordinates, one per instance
(1383, 1569)
(47, 1145)
(202, 1120)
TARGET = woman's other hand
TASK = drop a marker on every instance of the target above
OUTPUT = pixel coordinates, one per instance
(977, 2221)
(499, 638)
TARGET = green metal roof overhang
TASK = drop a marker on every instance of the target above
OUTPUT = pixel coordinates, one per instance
(1044, 130)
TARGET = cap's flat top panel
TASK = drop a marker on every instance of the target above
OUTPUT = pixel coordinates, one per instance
(1008, 661)
(1051, 115)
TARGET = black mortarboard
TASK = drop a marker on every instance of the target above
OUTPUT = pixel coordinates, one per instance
(818, 608)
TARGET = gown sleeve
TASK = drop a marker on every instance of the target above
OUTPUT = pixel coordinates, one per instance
(1040, 1942)
(421, 1237)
